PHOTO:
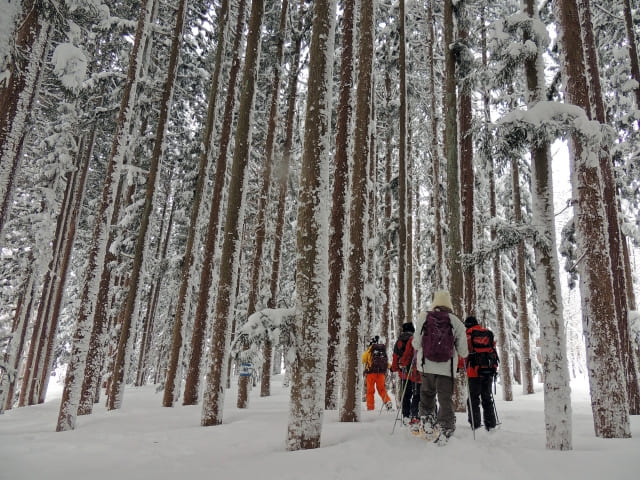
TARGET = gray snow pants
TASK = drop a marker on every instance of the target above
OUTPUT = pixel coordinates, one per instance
(440, 386)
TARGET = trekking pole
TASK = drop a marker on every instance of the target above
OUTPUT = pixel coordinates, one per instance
(469, 406)
(404, 390)
(495, 410)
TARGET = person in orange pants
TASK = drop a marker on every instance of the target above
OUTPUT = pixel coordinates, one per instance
(376, 364)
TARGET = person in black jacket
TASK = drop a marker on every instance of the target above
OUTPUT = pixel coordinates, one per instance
(402, 362)
(482, 365)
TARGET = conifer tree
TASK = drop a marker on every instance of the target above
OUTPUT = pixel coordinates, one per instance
(213, 403)
(309, 367)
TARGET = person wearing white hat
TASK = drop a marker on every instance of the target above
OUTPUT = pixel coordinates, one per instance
(440, 337)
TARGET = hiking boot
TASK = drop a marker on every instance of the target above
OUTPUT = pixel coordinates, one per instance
(428, 422)
(442, 435)
(442, 439)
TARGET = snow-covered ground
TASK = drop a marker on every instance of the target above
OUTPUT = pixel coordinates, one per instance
(143, 440)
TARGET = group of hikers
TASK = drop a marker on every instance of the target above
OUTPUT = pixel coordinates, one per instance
(425, 362)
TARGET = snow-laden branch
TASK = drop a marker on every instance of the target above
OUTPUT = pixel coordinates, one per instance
(548, 120)
(271, 324)
(508, 236)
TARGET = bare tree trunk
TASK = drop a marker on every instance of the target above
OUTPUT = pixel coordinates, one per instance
(631, 298)
(125, 344)
(606, 374)
(78, 182)
(101, 321)
(17, 95)
(611, 207)
(371, 273)
(282, 174)
(386, 269)
(192, 382)
(350, 407)
(523, 314)
(633, 49)
(170, 388)
(213, 403)
(465, 115)
(454, 254)
(402, 177)
(435, 155)
(76, 368)
(555, 371)
(310, 329)
(338, 213)
(265, 384)
(15, 349)
(154, 295)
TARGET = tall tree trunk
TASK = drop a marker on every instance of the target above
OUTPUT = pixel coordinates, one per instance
(14, 352)
(418, 236)
(192, 383)
(17, 95)
(76, 369)
(467, 179)
(606, 374)
(555, 371)
(78, 182)
(454, 254)
(338, 213)
(98, 342)
(521, 276)
(154, 294)
(628, 274)
(125, 343)
(256, 264)
(282, 174)
(171, 382)
(611, 207)
(213, 403)
(371, 272)
(388, 207)
(310, 329)
(402, 177)
(438, 281)
(633, 49)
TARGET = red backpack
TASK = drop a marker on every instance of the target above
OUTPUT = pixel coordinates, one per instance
(482, 353)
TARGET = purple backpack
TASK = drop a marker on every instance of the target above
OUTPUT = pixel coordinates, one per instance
(437, 337)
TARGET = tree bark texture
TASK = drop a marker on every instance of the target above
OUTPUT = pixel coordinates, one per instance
(76, 369)
(309, 369)
(338, 213)
(213, 403)
(192, 381)
(606, 374)
(171, 380)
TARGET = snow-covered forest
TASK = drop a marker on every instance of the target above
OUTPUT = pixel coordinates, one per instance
(195, 194)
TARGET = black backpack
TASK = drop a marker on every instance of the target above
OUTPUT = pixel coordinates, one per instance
(379, 360)
(483, 353)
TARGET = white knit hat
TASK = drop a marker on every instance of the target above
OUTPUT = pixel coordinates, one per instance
(441, 298)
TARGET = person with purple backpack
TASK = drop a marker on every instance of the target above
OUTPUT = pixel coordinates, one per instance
(440, 338)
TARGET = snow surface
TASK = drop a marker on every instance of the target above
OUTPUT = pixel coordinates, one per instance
(144, 440)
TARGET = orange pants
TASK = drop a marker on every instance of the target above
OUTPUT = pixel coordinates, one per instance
(375, 381)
